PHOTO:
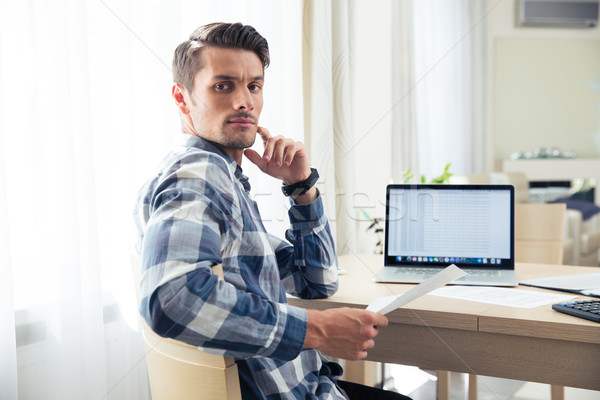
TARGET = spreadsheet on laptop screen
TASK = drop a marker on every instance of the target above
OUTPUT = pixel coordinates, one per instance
(456, 223)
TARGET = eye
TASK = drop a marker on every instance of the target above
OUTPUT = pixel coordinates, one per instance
(222, 86)
(254, 87)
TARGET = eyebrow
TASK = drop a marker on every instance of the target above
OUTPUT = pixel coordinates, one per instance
(233, 78)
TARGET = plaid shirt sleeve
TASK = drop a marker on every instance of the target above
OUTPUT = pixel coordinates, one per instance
(195, 216)
(309, 268)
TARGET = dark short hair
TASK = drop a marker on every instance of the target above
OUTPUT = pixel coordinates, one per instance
(187, 61)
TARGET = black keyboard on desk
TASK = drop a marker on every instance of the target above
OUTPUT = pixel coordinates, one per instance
(588, 309)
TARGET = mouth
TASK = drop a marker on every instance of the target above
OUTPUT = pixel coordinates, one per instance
(242, 122)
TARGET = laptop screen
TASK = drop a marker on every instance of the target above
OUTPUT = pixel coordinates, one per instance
(436, 225)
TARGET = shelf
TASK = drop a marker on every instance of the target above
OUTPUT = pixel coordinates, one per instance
(557, 169)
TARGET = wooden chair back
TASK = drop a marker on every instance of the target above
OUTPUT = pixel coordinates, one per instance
(179, 371)
(539, 232)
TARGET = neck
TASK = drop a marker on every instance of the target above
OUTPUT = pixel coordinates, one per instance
(188, 127)
(236, 154)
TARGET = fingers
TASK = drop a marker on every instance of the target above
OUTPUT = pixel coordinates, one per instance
(361, 351)
(264, 134)
(283, 158)
(368, 345)
(273, 150)
(280, 151)
(380, 320)
(361, 355)
(255, 158)
(370, 323)
(370, 318)
(347, 333)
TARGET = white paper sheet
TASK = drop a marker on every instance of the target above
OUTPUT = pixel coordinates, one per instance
(591, 292)
(567, 282)
(501, 296)
(384, 305)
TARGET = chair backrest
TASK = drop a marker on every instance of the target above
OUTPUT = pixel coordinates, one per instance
(471, 178)
(177, 370)
(521, 183)
(539, 232)
(517, 179)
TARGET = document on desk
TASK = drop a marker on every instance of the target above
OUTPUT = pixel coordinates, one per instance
(586, 284)
(501, 296)
(384, 305)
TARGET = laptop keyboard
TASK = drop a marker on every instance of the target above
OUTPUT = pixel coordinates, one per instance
(415, 271)
(484, 273)
(473, 273)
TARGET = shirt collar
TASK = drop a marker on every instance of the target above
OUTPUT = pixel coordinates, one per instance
(188, 140)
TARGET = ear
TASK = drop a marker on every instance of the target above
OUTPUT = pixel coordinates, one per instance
(178, 93)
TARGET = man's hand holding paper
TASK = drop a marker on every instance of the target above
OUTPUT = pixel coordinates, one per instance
(384, 305)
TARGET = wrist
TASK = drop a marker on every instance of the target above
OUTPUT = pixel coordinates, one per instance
(306, 198)
(314, 330)
(306, 176)
(301, 187)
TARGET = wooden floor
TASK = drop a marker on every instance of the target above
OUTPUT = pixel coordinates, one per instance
(406, 379)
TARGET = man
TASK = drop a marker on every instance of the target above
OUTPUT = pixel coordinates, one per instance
(197, 213)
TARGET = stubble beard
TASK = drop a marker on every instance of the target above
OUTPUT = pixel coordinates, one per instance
(234, 139)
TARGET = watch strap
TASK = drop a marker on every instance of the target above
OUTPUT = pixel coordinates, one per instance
(299, 188)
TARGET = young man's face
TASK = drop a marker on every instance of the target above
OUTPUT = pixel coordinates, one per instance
(227, 98)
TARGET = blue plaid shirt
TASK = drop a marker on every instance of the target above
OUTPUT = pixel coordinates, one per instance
(197, 213)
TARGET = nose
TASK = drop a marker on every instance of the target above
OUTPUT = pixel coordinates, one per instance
(243, 99)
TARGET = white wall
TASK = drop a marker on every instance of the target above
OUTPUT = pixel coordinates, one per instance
(546, 124)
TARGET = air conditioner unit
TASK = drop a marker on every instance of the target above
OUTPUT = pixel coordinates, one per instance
(558, 13)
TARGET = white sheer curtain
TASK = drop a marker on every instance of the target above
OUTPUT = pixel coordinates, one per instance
(8, 355)
(68, 193)
(405, 139)
(448, 74)
(86, 115)
(327, 53)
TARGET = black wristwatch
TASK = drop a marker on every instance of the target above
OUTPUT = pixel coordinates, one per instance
(299, 188)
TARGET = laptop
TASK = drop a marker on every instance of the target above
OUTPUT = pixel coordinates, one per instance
(430, 226)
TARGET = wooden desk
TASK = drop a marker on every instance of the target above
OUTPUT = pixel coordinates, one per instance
(537, 345)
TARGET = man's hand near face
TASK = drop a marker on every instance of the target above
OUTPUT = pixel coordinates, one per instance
(284, 159)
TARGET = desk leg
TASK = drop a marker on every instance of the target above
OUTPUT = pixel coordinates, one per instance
(363, 372)
(557, 392)
(443, 385)
(472, 387)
